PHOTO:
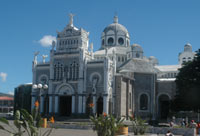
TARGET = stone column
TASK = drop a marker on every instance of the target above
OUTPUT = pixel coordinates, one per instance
(50, 104)
(73, 104)
(154, 96)
(41, 104)
(56, 104)
(105, 104)
(79, 104)
(113, 105)
(32, 103)
(94, 102)
(84, 102)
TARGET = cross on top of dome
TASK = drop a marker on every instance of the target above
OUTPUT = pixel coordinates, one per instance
(115, 19)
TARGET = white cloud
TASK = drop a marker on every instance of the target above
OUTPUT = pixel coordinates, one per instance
(3, 76)
(46, 40)
(11, 92)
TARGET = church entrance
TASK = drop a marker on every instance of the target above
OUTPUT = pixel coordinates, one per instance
(46, 105)
(163, 106)
(99, 106)
(65, 105)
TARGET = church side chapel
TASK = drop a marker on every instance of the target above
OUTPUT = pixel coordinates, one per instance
(118, 78)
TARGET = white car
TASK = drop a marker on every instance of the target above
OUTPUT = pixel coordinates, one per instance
(10, 114)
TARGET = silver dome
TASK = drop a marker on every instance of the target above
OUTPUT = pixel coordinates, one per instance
(116, 28)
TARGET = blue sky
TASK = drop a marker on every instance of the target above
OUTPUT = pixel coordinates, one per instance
(161, 27)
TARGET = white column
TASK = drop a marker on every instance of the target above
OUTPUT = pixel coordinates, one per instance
(105, 104)
(56, 104)
(32, 103)
(84, 104)
(41, 104)
(94, 102)
(73, 104)
(50, 104)
(80, 104)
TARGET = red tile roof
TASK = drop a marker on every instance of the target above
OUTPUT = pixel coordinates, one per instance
(6, 98)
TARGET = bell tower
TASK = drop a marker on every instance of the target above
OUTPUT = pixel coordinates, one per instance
(71, 38)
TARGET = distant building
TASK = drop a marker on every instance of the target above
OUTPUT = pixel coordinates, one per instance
(6, 103)
(22, 97)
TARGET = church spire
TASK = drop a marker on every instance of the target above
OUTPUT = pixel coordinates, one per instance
(115, 19)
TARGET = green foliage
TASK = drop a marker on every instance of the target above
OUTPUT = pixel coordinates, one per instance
(188, 86)
(139, 126)
(5, 121)
(106, 125)
(25, 122)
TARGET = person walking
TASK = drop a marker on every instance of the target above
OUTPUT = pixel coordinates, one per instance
(169, 133)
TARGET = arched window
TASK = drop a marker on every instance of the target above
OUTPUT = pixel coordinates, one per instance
(143, 102)
(110, 41)
(137, 55)
(122, 59)
(77, 71)
(61, 72)
(119, 59)
(70, 72)
(57, 71)
(66, 72)
(74, 71)
(54, 72)
(121, 41)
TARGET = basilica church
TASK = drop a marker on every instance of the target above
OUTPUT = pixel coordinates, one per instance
(118, 78)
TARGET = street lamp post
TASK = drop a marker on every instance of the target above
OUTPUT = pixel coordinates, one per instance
(41, 88)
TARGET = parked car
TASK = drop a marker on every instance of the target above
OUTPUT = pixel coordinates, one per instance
(10, 114)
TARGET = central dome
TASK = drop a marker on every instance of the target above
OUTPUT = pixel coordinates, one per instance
(115, 27)
(115, 34)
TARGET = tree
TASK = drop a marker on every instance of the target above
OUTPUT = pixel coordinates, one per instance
(188, 86)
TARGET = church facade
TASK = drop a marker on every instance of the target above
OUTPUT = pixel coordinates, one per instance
(118, 79)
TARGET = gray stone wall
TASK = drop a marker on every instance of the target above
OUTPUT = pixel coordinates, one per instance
(142, 85)
(117, 109)
(123, 88)
(166, 87)
(100, 85)
(123, 97)
(42, 71)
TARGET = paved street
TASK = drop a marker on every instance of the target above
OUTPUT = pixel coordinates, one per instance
(62, 132)
(55, 132)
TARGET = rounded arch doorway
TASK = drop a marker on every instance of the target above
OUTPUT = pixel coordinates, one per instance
(99, 106)
(66, 101)
(163, 106)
